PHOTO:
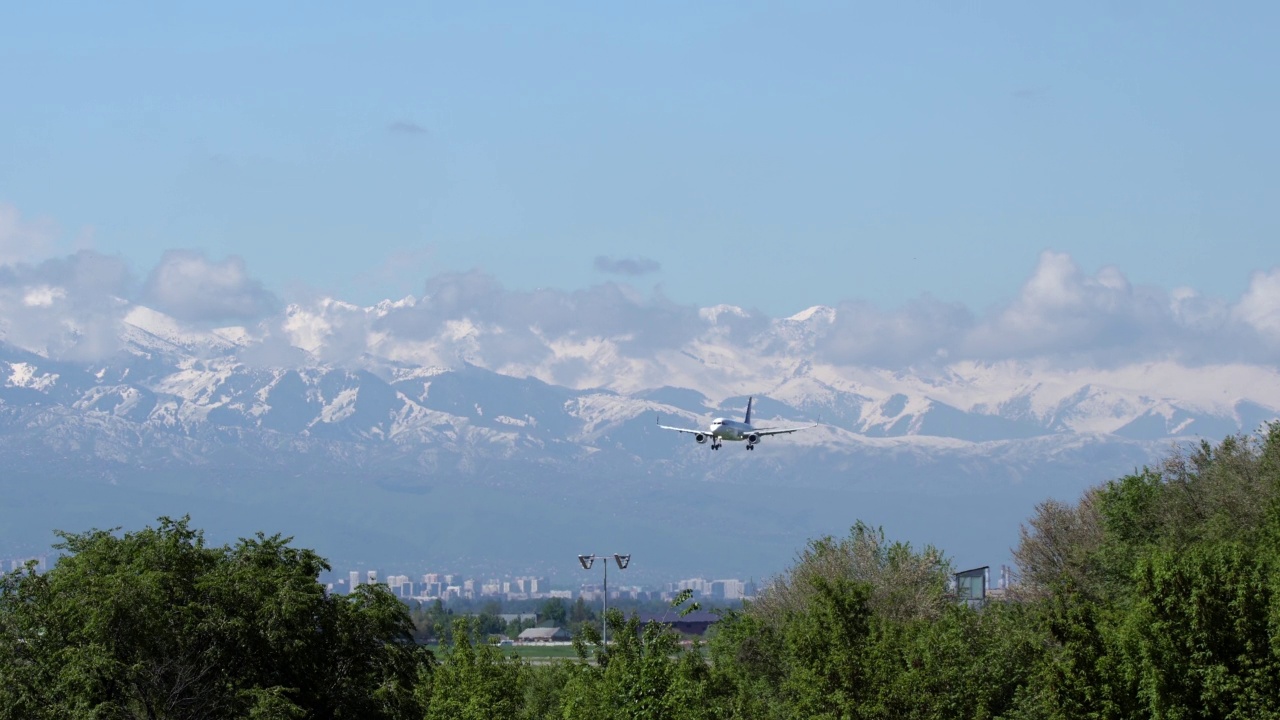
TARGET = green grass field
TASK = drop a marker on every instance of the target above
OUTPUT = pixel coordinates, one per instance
(527, 652)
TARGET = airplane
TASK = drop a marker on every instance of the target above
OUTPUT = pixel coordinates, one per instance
(723, 429)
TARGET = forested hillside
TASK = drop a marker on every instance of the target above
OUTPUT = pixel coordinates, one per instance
(1156, 595)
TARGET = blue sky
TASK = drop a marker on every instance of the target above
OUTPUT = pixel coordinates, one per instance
(767, 155)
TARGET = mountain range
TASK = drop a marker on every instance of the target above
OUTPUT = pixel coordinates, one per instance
(459, 442)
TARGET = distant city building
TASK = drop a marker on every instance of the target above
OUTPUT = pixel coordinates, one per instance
(16, 564)
(731, 589)
(449, 586)
(400, 585)
(698, 586)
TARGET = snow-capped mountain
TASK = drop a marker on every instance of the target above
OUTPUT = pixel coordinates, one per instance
(415, 401)
(172, 376)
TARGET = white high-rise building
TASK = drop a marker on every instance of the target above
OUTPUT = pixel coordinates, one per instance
(731, 589)
(400, 585)
(353, 580)
(698, 585)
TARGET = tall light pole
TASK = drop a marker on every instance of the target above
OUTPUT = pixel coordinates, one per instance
(622, 561)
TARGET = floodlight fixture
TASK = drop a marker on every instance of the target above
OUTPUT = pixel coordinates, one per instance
(587, 561)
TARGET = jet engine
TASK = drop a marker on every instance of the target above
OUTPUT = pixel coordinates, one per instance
(700, 438)
(752, 439)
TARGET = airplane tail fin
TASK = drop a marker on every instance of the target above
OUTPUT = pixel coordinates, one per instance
(747, 419)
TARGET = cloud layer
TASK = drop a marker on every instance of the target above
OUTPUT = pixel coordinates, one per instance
(72, 308)
(66, 308)
(22, 239)
(626, 266)
(189, 286)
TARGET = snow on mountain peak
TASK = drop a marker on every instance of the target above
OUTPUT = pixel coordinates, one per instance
(712, 314)
(24, 375)
(386, 306)
(329, 302)
(305, 329)
(819, 313)
(170, 330)
(237, 334)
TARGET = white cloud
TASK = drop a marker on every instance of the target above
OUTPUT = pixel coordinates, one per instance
(189, 286)
(862, 333)
(1062, 314)
(23, 240)
(608, 310)
(1259, 308)
(71, 307)
(43, 296)
(1062, 311)
(66, 308)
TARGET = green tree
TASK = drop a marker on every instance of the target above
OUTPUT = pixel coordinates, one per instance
(966, 663)
(1203, 626)
(487, 623)
(155, 623)
(474, 681)
(580, 612)
(825, 648)
(747, 673)
(1058, 544)
(544, 687)
(643, 674)
(902, 582)
(554, 612)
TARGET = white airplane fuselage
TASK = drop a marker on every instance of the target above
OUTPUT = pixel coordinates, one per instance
(725, 429)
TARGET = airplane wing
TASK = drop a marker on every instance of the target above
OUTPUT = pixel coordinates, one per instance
(765, 432)
(680, 429)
